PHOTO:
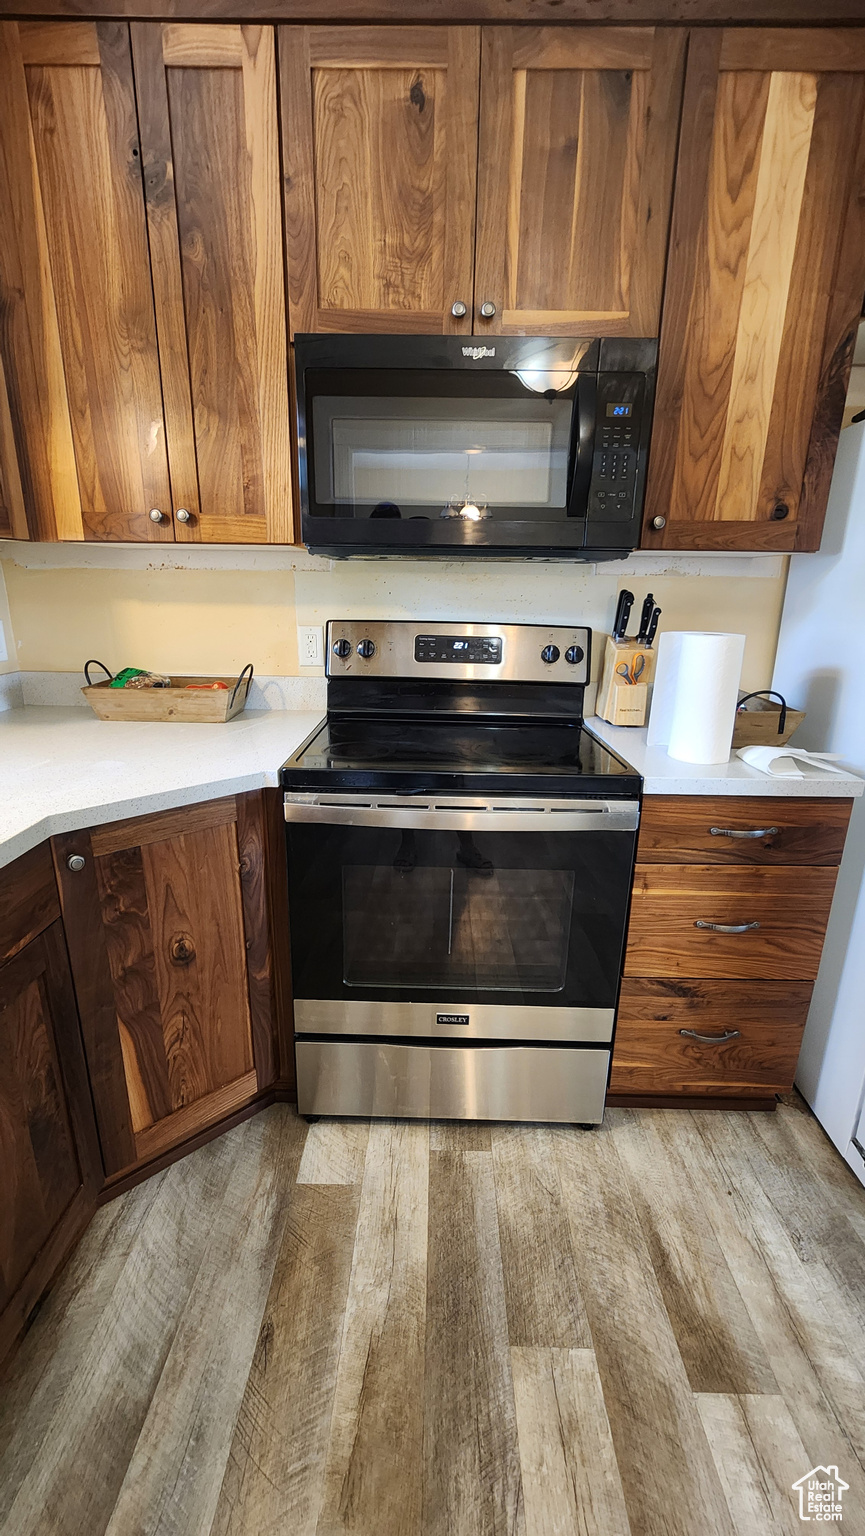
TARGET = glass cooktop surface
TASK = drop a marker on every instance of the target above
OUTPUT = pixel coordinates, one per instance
(532, 757)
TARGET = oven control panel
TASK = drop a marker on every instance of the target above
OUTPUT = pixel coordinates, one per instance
(476, 650)
(404, 648)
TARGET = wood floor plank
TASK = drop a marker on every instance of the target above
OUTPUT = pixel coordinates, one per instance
(713, 1329)
(570, 1475)
(658, 1437)
(543, 1299)
(275, 1474)
(172, 1483)
(372, 1479)
(472, 1474)
(812, 1365)
(335, 1152)
(50, 1354)
(759, 1456)
(95, 1419)
(459, 1136)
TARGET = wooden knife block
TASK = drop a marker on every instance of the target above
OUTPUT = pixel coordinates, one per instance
(621, 702)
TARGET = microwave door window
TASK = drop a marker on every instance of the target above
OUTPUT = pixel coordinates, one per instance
(421, 455)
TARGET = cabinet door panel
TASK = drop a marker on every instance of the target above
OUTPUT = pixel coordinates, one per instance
(380, 152)
(210, 142)
(577, 142)
(173, 1041)
(13, 517)
(80, 334)
(48, 1148)
(767, 270)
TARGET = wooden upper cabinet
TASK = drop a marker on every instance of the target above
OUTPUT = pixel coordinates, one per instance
(78, 333)
(168, 935)
(13, 517)
(379, 132)
(578, 131)
(210, 148)
(764, 288)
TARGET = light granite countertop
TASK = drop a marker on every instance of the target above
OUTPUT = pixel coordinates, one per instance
(62, 769)
(663, 775)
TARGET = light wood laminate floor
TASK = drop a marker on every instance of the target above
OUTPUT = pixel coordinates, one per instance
(395, 1329)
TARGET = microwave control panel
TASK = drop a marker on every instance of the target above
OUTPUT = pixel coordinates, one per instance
(471, 650)
(618, 430)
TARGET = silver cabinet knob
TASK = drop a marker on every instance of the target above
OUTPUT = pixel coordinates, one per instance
(183, 515)
(156, 516)
(488, 309)
(659, 522)
(458, 309)
(75, 862)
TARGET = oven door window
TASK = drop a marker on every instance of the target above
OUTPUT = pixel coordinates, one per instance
(474, 927)
(419, 444)
(427, 914)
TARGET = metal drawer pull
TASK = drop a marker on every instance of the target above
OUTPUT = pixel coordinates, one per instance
(726, 927)
(731, 832)
(730, 1034)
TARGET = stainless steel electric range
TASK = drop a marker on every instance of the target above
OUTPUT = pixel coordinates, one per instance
(460, 856)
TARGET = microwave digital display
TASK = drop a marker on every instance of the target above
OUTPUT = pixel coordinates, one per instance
(619, 410)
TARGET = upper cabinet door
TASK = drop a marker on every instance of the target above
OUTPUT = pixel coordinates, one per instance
(577, 149)
(379, 129)
(13, 518)
(210, 147)
(764, 289)
(78, 333)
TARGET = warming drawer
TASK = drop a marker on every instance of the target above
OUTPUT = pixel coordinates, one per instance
(553, 1084)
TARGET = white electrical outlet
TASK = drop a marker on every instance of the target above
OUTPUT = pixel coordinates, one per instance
(4, 654)
(310, 645)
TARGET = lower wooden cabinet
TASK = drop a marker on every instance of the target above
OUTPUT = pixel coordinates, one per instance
(716, 1038)
(50, 1169)
(168, 923)
(730, 905)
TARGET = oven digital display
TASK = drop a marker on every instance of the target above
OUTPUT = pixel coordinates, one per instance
(619, 410)
(471, 650)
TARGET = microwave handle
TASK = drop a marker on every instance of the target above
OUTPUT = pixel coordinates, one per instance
(582, 443)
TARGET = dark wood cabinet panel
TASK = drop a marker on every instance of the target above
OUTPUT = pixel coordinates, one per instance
(48, 1147)
(13, 515)
(379, 133)
(171, 951)
(578, 135)
(28, 900)
(210, 150)
(753, 1031)
(790, 907)
(679, 829)
(79, 336)
(764, 288)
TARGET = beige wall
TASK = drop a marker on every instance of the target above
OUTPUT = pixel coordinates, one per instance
(11, 664)
(211, 611)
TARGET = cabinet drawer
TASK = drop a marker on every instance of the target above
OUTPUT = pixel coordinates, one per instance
(788, 907)
(679, 829)
(651, 1056)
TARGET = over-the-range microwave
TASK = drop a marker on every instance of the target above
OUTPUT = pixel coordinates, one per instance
(455, 445)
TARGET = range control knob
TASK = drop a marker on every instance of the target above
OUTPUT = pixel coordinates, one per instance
(341, 648)
(366, 648)
(574, 653)
(550, 653)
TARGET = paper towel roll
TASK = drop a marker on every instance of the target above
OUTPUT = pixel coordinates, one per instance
(695, 695)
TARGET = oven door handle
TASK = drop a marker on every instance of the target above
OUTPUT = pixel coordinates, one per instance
(465, 815)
